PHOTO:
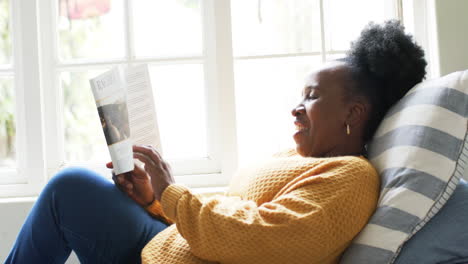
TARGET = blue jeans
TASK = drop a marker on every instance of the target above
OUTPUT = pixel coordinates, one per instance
(82, 211)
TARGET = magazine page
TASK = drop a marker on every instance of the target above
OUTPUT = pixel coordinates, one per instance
(141, 110)
(111, 101)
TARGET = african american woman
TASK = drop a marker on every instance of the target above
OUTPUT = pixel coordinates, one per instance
(301, 206)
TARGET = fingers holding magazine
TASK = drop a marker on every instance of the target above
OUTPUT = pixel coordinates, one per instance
(158, 170)
(144, 184)
(136, 184)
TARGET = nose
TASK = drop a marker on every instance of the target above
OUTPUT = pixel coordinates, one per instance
(298, 110)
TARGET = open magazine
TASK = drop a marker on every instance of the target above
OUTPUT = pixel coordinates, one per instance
(125, 104)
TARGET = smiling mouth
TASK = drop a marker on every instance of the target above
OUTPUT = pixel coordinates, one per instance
(300, 127)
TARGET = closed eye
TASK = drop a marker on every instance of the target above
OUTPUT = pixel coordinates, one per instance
(310, 93)
(311, 97)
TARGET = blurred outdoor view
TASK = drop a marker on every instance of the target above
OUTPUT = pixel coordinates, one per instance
(82, 36)
(7, 95)
(93, 31)
(282, 27)
(275, 27)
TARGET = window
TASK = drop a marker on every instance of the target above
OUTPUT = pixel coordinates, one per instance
(7, 92)
(275, 44)
(99, 41)
(225, 75)
(8, 105)
(92, 36)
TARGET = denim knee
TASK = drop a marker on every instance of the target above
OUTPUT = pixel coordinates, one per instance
(74, 177)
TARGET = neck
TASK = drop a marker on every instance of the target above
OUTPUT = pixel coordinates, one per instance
(350, 146)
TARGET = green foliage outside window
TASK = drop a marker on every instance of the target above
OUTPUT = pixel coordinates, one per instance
(7, 98)
(5, 40)
(7, 123)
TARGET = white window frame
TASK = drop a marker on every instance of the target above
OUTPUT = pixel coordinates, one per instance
(393, 6)
(29, 175)
(204, 169)
(420, 19)
(39, 117)
(40, 146)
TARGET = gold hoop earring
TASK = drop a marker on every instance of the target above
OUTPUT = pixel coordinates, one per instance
(348, 131)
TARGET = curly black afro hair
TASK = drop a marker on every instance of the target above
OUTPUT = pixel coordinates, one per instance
(385, 63)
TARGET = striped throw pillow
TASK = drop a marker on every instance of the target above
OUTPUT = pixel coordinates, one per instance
(420, 151)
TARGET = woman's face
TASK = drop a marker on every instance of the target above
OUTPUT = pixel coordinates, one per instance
(320, 117)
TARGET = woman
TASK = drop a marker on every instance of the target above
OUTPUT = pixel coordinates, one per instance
(302, 206)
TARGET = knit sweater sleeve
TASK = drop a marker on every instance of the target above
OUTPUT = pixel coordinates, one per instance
(319, 213)
(156, 211)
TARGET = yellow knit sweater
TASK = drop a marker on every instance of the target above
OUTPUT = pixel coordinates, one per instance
(289, 209)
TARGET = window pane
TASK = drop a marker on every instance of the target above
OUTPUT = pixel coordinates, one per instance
(345, 19)
(91, 29)
(7, 123)
(180, 109)
(180, 102)
(167, 28)
(5, 40)
(266, 92)
(84, 139)
(335, 56)
(276, 26)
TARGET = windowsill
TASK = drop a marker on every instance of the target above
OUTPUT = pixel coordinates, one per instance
(209, 190)
(18, 200)
(200, 190)
(19, 188)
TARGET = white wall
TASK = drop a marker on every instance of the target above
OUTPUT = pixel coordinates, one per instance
(13, 216)
(452, 31)
(13, 213)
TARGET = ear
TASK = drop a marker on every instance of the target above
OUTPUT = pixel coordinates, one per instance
(357, 112)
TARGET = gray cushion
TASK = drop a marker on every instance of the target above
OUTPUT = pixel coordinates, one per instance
(444, 239)
(420, 151)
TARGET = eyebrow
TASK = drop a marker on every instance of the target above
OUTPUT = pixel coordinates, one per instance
(311, 87)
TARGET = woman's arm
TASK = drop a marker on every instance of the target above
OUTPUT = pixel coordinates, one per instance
(314, 215)
(227, 229)
(314, 220)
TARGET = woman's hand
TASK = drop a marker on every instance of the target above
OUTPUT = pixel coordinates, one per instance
(144, 185)
(158, 170)
(136, 184)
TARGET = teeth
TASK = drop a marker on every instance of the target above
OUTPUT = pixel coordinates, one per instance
(300, 127)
